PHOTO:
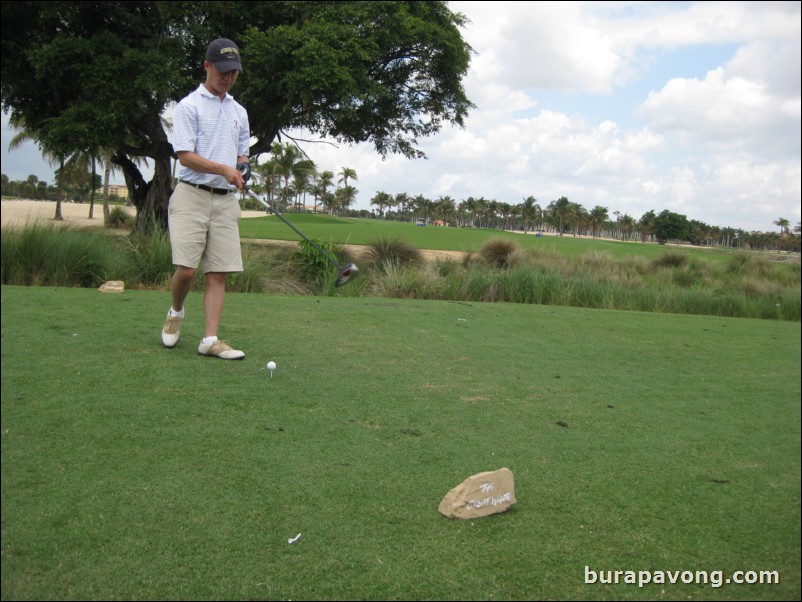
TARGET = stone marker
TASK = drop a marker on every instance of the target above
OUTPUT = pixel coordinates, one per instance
(112, 286)
(482, 494)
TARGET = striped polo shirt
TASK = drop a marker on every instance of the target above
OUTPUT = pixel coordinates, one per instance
(218, 131)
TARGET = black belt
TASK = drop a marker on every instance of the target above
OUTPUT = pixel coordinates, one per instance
(207, 188)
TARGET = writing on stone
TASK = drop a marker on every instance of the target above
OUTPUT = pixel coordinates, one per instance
(480, 495)
(490, 500)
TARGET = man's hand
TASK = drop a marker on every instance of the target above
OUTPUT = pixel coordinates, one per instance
(233, 176)
(245, 169)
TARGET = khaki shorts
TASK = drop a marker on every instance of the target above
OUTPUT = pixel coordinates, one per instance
(204, 229)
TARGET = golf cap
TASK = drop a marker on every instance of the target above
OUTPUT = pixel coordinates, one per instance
(224, 54)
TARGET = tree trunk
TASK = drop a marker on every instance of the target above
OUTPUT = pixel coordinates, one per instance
(92, 193)
(106, 176)
(150, 198)
(59, 217)
(152, 212)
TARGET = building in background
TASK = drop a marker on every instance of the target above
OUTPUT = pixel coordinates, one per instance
(118, 190)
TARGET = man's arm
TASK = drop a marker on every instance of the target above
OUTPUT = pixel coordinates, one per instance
(197, 163)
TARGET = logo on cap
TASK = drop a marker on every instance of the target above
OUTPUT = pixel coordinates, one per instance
(229, 53)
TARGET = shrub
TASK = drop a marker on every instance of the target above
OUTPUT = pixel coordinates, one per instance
(498, 252)
(393, 252)
(120, 218)
(314, 265)
(151, 258)
(670, 260)
(50, 255)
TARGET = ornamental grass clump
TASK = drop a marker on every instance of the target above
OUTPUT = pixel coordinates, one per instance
(500, 253)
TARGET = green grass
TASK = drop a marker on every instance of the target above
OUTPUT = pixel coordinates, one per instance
(638, 441)
(366, 231)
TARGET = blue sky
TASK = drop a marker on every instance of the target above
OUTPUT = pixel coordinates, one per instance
(688, 106)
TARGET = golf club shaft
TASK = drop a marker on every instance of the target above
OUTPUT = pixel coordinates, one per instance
(327, 254)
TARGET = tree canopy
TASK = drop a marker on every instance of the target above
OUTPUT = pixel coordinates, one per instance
(96, 77)
(670, 226)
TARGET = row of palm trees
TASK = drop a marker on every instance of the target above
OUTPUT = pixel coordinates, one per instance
(76, 175)
(560, 216)
(565, 217)
(289, 178)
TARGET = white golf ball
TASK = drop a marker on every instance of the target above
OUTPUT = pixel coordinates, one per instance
(271, 365)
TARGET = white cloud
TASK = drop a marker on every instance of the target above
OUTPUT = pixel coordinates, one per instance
(723, 115)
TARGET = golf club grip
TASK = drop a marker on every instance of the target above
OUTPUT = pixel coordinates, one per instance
(325, 253)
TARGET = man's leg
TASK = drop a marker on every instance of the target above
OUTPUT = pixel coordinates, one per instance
(213, 307)
(180, 286)
(213, 301)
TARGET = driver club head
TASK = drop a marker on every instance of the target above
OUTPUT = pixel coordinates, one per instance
(348, 272)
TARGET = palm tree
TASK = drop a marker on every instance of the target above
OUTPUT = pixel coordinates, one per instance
(329, 200)
(269, 180)
(318, 193)
(345, 174)
(505, 209)
(596, 218)
(561, 211)
(303, 172)
(86, 162)
(646, 225)
(488, 211)
(784, 229)
(105, 156)
(627, 223)
(381, 199)
(418, 206)
(284, 157)
(783, 224)
(52, 157)
(345, 197)
(468, 211)
(80, 176)
(444, 208)
(479, 211)
(530, 211)
(325, 179)
(32, 184)
(402, 200)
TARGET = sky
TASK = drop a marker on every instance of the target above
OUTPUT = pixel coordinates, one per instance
(692, 107)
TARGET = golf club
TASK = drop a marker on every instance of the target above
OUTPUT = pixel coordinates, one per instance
(346, 272)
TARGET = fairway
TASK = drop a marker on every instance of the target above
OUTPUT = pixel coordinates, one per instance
(360, 231)
(638, 442)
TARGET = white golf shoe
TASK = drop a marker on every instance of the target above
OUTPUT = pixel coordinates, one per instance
(220, 349)
(171, 331)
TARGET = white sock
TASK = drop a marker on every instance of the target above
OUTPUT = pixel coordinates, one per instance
(176, 314)
(209, 340)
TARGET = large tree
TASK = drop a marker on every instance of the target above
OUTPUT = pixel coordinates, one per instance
(670, 226)
(91, 75)
(560, 213)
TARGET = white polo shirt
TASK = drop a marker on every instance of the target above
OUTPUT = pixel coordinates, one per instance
(216, 130)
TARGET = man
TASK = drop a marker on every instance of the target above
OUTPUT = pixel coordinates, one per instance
(211, 136)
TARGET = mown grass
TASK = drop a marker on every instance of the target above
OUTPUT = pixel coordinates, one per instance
(361, 231)
(638, 441)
